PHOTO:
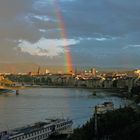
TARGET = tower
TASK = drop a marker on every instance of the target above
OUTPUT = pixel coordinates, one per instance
(38, 71)
(93, 71)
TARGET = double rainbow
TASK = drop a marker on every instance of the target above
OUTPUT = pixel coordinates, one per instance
(63, 33)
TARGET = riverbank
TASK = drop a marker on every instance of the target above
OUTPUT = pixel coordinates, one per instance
(120, 124)
(115, 90)
(120, 92)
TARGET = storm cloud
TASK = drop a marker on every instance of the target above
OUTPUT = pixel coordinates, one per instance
(104, 33)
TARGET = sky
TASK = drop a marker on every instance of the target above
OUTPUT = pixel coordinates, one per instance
(98, 33)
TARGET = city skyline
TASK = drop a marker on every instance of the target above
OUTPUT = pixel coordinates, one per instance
(98, 33)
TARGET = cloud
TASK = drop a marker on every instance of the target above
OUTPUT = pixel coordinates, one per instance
(45, 18)
(67, 0)
(99, 37)
(42, 30)
(98, 28)
(12, 8)
(108, 17)
(131, 46)
(106, 38)
(46, 47)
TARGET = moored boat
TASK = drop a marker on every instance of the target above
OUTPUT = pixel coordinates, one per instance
(105, 107)
(37, 131)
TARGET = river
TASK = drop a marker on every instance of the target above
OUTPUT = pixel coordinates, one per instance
(37, 104)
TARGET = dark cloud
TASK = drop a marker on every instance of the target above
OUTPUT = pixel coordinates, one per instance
(106, 17)
(12, 8)
(101, 28)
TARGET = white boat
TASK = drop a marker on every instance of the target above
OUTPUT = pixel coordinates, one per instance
(37, 131)
(105, 107)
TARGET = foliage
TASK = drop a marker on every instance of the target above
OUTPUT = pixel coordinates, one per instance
(135, 90)
(121, 124)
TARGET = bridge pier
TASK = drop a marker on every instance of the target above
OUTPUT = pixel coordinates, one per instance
(17, 92)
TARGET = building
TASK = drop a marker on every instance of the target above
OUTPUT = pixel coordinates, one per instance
(137, 72)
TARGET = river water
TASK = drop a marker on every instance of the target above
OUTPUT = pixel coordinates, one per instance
(37, 104)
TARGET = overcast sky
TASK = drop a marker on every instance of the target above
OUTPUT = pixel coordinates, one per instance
(101, 33)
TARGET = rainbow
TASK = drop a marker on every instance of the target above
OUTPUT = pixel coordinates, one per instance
(63, 33)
